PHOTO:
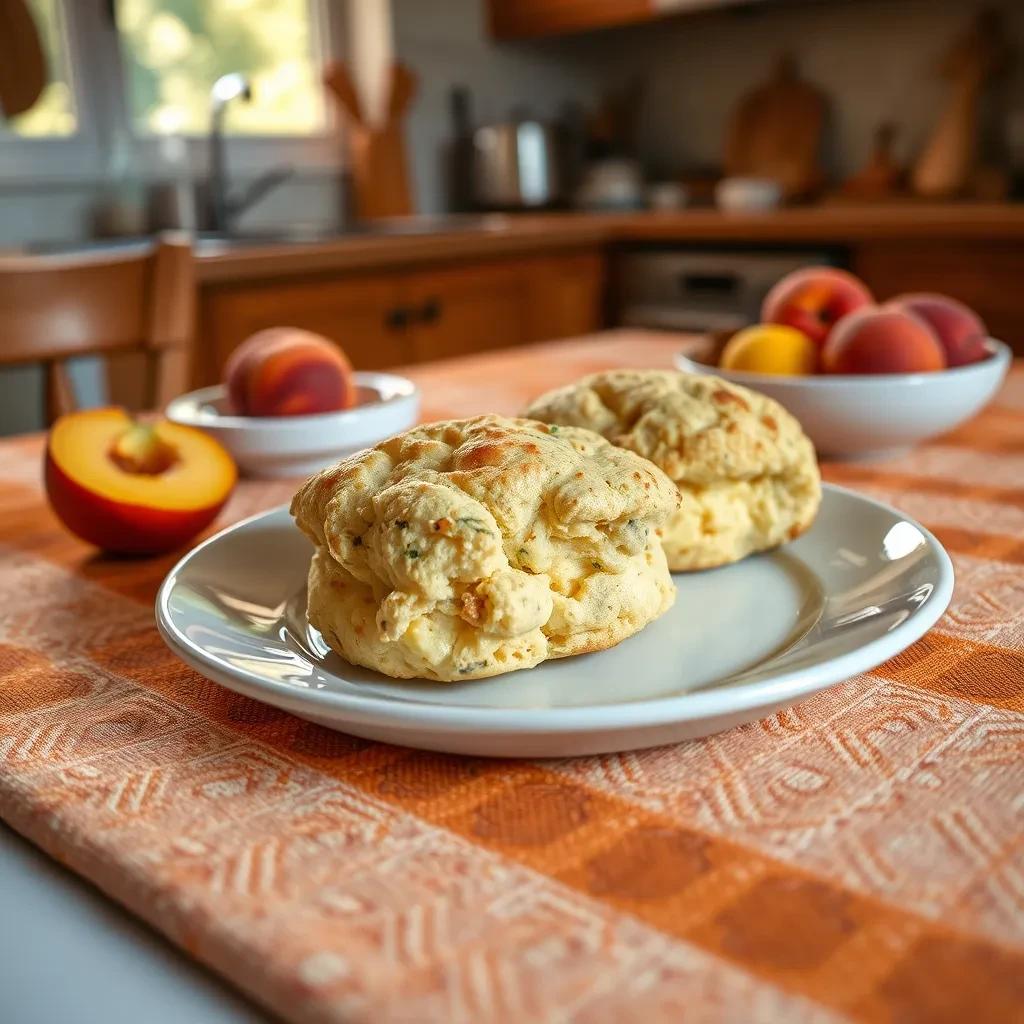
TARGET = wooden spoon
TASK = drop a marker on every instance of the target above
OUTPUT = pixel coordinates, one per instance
(403, 90)
(339, 81)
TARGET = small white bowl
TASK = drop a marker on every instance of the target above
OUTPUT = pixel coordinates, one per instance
(747, 195)
(293, 446)
(852, 416)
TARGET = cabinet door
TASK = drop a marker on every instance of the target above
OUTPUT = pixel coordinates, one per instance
(985, 275)
(361, 312)
(566, 295)
(463, 309)
(520, 19)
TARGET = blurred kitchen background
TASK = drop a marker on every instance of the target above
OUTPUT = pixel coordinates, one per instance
(419, 179)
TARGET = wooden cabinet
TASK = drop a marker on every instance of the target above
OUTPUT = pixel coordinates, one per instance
(353, 310)
(458, 310)
(522, 19)
(388, 318)
(986, 275)
(567, 296)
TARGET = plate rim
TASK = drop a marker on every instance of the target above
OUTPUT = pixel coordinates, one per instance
(709, 702)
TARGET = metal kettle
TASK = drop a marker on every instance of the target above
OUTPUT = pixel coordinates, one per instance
(517, 165)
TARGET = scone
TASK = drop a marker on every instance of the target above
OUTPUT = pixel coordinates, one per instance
(469, 548)
(746, 472)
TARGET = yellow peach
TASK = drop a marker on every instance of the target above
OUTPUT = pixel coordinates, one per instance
(134, 488)
(770, 348)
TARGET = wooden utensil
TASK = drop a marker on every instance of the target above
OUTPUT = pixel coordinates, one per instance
(403, 90)
(880, 177)
(613, 125)
(776, 132)
(339, 81)
(948, 161)
(23, 72)
(380, 174)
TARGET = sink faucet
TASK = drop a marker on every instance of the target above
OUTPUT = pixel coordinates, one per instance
(224, 208)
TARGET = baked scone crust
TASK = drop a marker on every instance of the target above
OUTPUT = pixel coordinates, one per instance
(468, 548)
(746, 472)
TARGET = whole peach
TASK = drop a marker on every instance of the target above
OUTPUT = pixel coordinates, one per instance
(285, 371)
(880, 339)
(813, 299)
(959, 329)
(770, 348)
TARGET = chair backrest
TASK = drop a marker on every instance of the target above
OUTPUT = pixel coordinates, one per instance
(56, 307)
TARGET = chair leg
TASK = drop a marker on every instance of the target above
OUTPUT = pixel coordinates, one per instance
(60, 392)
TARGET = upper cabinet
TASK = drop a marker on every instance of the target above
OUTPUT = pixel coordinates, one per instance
(523, 19)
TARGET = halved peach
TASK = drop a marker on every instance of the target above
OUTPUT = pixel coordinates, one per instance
(134, 488)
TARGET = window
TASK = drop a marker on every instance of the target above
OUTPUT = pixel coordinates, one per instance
(125, 72)
(174, 50)
(54, 112)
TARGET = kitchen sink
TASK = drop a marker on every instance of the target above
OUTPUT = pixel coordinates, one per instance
(306, 234)
(210, 242)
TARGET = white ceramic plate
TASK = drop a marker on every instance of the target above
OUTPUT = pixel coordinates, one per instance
(875, 414)
(283, 446)
(741, 642)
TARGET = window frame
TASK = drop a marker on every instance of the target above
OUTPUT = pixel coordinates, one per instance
(102, 111)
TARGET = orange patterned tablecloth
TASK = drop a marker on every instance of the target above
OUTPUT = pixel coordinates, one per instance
(859, 856)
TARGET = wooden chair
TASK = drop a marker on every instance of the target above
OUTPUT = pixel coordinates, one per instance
(55, 307)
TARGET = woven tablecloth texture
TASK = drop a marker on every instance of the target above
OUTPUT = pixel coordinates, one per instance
(860, 856)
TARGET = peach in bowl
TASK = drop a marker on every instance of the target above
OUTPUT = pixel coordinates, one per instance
(291, 404)
(864, 380)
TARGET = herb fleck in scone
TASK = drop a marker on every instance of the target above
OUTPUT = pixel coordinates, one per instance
(469, 548)
(746, 472)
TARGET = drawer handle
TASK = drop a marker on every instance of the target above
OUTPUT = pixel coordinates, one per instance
(398, 318)
(430, 311)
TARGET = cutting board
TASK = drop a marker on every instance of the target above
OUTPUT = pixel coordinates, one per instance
(949, 159)
(380, 166)
(776, 132)
(22, 63)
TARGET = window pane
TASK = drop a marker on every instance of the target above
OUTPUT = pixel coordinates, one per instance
(54, 111)
(174, 50)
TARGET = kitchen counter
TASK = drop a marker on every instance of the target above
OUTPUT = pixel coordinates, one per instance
(494, 236)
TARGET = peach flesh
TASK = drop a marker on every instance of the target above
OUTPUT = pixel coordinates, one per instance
(134, 489)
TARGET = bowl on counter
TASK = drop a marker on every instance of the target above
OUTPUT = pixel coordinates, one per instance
(747, 195)
(295, 446)
(874, 415)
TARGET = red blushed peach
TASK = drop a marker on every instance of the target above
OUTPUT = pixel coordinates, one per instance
(284, 371)
(882, 340)
(134, 488)
(813, 299)
(959, 329)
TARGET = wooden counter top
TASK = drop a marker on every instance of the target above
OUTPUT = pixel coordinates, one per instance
(498, 236)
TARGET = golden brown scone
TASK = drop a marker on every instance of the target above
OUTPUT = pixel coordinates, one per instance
(746, 472)
(469, 548)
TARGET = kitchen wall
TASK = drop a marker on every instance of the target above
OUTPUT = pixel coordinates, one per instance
(446, 43)
(876, 59)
